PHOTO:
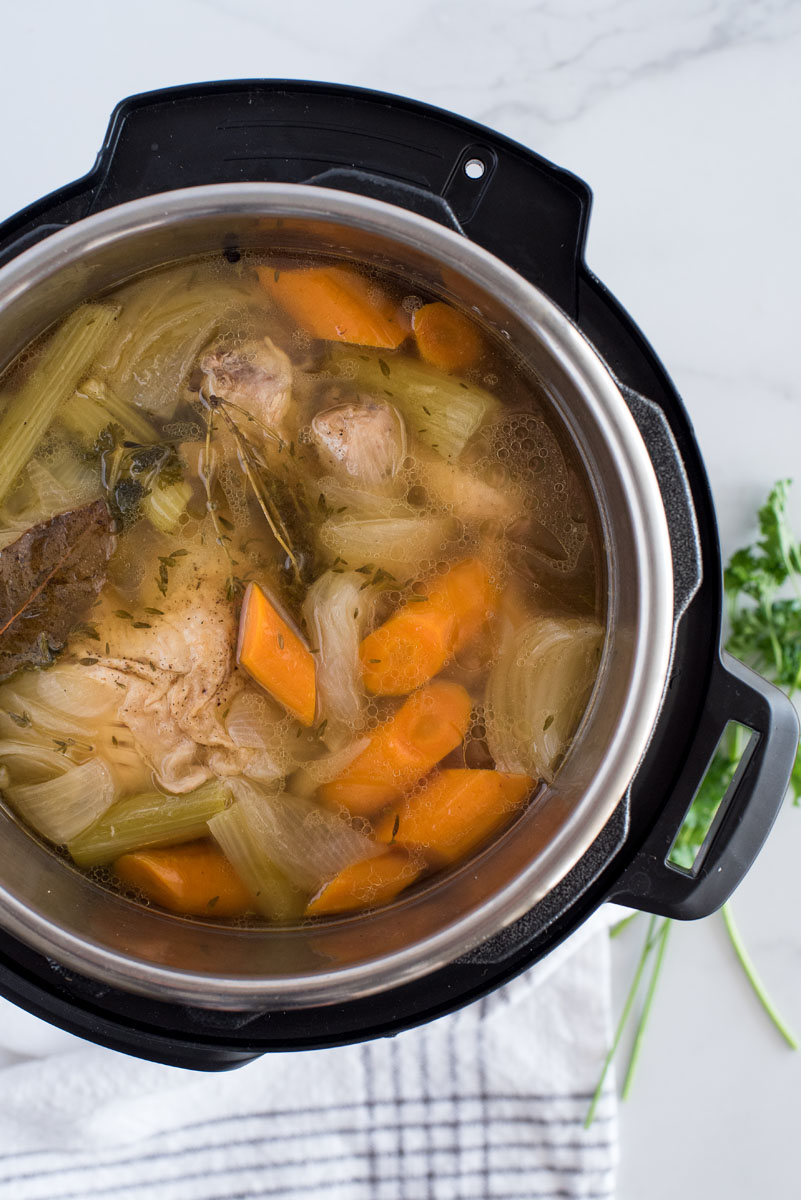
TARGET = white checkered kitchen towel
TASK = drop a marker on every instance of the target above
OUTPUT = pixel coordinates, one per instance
(486, 1104)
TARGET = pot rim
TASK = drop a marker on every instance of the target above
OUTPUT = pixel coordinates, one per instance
(564, 342)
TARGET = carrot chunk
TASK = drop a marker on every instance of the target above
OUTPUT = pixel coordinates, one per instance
(446, 338)
(365, 884)
(195, 879)
(337, 305)
(424, 634)
(454, 812)
(273, 654)
(430, 724)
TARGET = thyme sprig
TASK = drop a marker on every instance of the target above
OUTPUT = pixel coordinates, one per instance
(207, 475)
(249, 462)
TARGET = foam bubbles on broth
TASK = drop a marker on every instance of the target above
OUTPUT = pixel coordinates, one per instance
(540, 542)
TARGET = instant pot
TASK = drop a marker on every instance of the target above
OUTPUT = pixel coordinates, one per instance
(222, 167)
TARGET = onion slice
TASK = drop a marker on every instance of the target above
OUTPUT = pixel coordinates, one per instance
(537, 692)
(307, 843)
(63, 807)
(337, 609)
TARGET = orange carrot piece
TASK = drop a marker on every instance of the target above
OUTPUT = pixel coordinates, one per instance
(430, 724)
(195, 879)
(470, 594)
(446, 338)
(337, 305)
(273, 654)
(365, 884)
(409, 649)
(455, 811)
(424, 634)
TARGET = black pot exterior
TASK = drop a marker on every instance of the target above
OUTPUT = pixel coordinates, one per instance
(533, 216)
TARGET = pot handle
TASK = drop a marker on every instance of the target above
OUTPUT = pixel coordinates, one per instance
(515, 204)
(746, 814)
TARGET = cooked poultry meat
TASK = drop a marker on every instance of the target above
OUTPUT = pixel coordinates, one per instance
(365, 439)
(177, 679)
(463, 490)
(255, 376)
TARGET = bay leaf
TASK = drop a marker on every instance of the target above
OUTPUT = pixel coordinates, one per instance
(49, 577)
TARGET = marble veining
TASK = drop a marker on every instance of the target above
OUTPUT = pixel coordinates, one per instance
(683, 116)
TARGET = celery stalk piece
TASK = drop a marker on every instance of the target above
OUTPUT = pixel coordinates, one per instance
(68, 357)
(150, 819)
(127, 415)
(275, 896)
(441, 410)
(83, 417)
(94, 405)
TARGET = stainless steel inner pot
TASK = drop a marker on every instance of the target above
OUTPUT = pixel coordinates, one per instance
(63, 914)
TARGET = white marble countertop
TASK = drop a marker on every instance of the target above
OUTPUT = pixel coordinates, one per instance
(682, 115)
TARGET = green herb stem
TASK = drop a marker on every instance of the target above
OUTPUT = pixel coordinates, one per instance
(624, 1016)
(753, 978)
(661, 940)
(624, 923)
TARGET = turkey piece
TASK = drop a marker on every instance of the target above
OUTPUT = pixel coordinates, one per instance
(365, 440)
(176, 683)
(256, 376)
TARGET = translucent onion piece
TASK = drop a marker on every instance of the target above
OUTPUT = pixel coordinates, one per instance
(163, 328)
(254, 722)
(537, 692)
(80, 480)
(114, 742)
(243, 846)
(42, 717)
(307, 843)
(51, 496)
(251, 720)
(33, 760)
(43, 494)
(71, 689)
(441, 410)
(397, 545)
(337, 609)
(341, 499)
(265, 768)
(62, 808)
(306, 780)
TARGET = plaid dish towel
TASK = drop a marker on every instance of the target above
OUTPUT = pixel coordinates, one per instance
(486, 1104)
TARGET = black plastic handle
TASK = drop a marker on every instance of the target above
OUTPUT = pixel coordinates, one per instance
(746, 815)
(515, 204)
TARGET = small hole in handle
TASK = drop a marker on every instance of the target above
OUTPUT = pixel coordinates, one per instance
(474, 168)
